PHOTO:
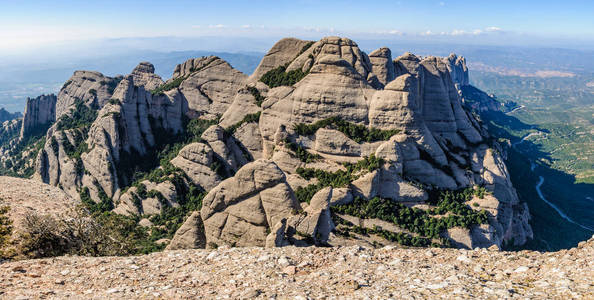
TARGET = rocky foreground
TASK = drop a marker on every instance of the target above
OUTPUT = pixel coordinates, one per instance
(303, 273)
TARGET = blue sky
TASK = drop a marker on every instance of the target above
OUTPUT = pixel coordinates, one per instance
(34, 24)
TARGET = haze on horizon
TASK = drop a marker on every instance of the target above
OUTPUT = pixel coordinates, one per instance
(26, 27)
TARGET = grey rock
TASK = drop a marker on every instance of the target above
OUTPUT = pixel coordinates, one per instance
(39, 112)
(241, 209)
(190, 235)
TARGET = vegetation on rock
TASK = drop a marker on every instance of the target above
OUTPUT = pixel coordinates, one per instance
(451, 205)
(254, 91)
(251, 118)
(340, 178)
(301, 152)
(175, 83)
(280, 77)
(357, 133)
(81, 116)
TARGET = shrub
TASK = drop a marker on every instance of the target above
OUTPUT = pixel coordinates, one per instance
(105, 203)
(113, 83)
(279, 77)
(251, 118)
(358, 133)
(175, 83)
(81, 116)
(301, 152)
(339, 178)
(259, 98)
(5, 230)
(413, 219)
(98, 234)
(66, 84)
(307, 46)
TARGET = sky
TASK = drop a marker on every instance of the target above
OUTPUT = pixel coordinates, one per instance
(34, 25)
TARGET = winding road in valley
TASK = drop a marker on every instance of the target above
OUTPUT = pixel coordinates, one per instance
(559, 211)
(526, 137)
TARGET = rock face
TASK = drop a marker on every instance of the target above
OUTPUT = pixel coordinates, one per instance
(123, 128)
(190, 235)
(458, 70)
(242, 210)
(210, 86)
(144, 75)
(397, 129)
(92, 88)
(282, 53)
(39, 113)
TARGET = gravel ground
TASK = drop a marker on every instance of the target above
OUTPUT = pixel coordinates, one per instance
(308, 273)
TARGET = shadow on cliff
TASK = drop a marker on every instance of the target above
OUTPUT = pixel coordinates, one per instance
(552, 231)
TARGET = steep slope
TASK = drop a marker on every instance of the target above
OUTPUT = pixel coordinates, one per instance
(322, 145)
(40, 113)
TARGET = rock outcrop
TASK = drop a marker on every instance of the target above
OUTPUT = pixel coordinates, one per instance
(209, 86)
(242, 210)
(458, 70)
(40, 112)
(92, 88)
(395, 129)
(282, 53)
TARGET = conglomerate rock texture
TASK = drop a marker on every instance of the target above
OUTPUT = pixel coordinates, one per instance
(435, 144)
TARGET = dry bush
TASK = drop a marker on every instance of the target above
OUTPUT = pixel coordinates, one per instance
(5, 231)
(78, 234)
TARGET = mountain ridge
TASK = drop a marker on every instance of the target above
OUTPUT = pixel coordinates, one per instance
(140, 145)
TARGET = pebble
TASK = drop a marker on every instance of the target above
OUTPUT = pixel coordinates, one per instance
(464, 259)
(521, 269)
(307, 273)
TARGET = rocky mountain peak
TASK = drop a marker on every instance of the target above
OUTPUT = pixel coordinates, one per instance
(458, 70)
(144, 67)
(289, 154)
(40, 112)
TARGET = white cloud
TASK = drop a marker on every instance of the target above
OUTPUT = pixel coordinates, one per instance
(217, 26)
(246, 26)
(493, 29)
(458, 32)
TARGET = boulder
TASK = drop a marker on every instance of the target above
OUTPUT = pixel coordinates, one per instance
(210, 85)
(243, 209)
(382, 65)
(196, 160)
(190, 235)
(282, 53)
